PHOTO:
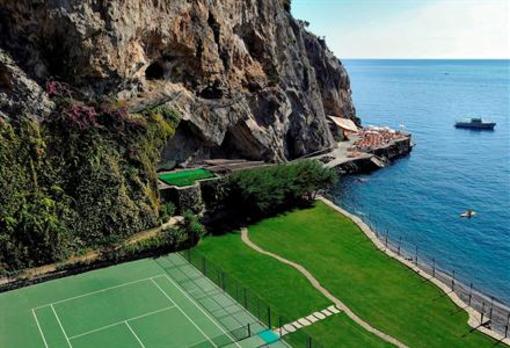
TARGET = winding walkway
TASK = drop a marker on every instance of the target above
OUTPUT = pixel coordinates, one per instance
(315, 283)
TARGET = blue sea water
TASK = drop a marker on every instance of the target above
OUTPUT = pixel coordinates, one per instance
(420, 197)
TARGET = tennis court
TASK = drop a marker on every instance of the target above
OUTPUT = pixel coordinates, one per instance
(186, 177)
(136, 304)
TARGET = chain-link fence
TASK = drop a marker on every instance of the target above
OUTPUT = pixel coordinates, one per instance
(278, 324)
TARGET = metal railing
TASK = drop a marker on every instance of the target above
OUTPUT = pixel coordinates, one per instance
(494, 314)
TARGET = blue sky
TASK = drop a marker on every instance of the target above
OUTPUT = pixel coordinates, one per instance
(410, 28)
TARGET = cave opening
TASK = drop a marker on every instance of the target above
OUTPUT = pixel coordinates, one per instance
(213, 91)
(155, 71)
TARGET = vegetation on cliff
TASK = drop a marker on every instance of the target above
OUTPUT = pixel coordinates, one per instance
(84, 177)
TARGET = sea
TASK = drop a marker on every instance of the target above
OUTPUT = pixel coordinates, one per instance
(419, 198)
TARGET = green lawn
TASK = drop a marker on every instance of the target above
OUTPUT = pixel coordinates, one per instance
(379, 289)
(185, 177)
(285, 290)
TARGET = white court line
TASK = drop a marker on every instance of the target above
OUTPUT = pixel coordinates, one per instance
(40, 330)
(59, 323)
(133, 332)
(98, 291)
(121, 322)
(184, 313)
(200, 308)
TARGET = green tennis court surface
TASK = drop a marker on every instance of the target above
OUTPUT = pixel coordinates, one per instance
(149, 303)
(185, 177)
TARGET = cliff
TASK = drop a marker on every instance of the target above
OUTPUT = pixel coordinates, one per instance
(247, 78)
(93, 94)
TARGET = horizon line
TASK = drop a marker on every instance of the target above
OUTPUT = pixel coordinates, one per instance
(421, 58)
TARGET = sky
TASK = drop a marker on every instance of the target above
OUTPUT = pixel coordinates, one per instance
(450, 29)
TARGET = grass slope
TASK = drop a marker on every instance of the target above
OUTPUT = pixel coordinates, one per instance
(379, 289)
(285, 290)
(185, 177)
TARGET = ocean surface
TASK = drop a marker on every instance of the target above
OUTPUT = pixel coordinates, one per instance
(420, 197)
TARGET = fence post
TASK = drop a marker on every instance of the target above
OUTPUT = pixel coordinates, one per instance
(507, 325)
(492, 306)
(433, 267)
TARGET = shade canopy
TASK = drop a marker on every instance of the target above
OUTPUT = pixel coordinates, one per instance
(344, 123)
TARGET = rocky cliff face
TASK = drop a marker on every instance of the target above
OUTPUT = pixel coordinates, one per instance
(247, 78)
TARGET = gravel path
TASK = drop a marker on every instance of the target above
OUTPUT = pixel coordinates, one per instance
(315, 283)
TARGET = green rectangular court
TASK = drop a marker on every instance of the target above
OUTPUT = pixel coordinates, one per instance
(186, 177)
(149, 303)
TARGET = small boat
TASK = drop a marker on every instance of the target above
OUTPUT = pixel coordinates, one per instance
(468, 214)
(475, 123)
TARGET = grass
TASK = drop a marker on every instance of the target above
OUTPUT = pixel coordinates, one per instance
(379, 289)
(285, 290)
(185, 177)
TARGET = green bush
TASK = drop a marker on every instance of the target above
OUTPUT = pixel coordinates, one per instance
(264, 191)
(166, 211)
(192, 227)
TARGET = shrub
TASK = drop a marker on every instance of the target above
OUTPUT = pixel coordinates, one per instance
(264, 191)
(192, 227)
(166, 211)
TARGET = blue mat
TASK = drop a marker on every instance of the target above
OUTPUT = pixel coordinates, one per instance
(269, 336)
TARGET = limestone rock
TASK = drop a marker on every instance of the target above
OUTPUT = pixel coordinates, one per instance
(247, 77)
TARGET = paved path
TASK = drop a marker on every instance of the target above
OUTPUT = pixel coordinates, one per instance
(306, 321)
(315, 283)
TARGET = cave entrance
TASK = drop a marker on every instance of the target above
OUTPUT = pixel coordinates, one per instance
(155, 71)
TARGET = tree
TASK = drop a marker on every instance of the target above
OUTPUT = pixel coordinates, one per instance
(264, 191)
